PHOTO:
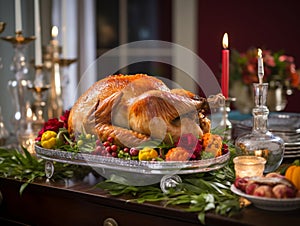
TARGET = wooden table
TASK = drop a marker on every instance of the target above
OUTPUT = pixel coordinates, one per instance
(80, 203)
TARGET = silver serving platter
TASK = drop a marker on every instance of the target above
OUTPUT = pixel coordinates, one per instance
(133, 166)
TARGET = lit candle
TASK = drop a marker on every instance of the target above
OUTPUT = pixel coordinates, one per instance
(260, 66)
(54, 34)
(28, 135)
(249, 166)
(54, 42)
(29, 113)
(18, 15)
(225, 66)
(38, 45)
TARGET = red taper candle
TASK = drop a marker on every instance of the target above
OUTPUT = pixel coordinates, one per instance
(225, 66)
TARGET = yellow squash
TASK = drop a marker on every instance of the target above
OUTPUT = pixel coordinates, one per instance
(48, 139)
(293, 174)
(147, 154)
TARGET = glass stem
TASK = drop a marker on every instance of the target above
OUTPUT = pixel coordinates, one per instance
(260, 112)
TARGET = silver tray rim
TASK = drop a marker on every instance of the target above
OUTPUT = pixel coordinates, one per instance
(134, 166)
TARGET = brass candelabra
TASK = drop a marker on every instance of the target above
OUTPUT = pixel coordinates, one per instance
(55, 64)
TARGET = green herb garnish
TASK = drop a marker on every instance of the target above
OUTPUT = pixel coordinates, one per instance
(199, 193)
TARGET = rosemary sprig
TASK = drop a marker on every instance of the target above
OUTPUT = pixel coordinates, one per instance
(20, 166)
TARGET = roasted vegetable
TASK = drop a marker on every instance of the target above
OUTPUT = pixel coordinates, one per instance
(177, 154)
(212, 143)
(48, 139)
(147, 154)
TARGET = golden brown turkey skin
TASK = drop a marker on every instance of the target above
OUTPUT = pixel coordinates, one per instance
(136, 108)
(100, 91)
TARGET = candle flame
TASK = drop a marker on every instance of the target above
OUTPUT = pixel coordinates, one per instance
(260, 66)
(29, 112)
(258, 153)
(54, 32)
(259, 52)
(225, 41)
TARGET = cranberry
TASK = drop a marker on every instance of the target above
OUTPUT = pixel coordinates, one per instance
(133, 152)
(106, 144)
(114, 147)
(98, 142)
(110, 140)
(108, 149)
(98, 148)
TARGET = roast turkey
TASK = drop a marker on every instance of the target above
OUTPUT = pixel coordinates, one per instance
(137, 108)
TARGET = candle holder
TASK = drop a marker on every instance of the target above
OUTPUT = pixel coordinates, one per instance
(18, 86)
(26, 134)
(2, 26)
(249, 166)
(4, 134)
(18, 39)
(38, 87)
(64, 64)
(58, 76)
(261, 142)
(225, 123)
(58, 81)
(55, 108)
(51, 51)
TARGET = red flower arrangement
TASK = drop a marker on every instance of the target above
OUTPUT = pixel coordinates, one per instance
(54, 124)
(190, 143)
(278, 67)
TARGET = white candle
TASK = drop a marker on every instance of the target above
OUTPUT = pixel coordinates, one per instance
(38, 45)
(54, 34)
(260, 66)
(54, 42)
(18, 15)
(64, 29)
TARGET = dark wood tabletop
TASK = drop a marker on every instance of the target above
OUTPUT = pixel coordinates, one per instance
(80, 203)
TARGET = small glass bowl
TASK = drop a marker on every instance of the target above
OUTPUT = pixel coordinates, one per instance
(249, 166)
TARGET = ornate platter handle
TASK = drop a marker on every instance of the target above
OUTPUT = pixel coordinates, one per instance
(168, 182)
(49, 170)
